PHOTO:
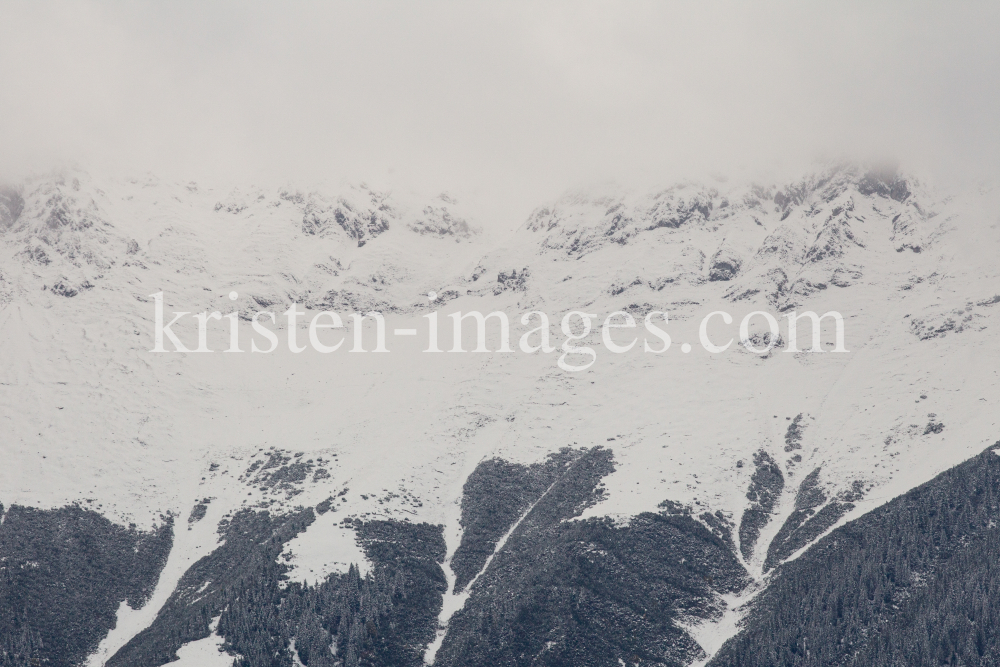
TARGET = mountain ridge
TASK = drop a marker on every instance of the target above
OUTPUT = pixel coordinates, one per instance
(92, 417)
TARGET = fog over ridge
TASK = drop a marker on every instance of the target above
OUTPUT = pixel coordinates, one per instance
(511, 103)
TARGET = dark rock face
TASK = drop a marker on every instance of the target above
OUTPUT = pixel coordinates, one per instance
(620, 221)
(63, 574)
(438, 220)
(834, 239)
(572, 592)
(885, 182)
(913, 583)
(724, 267)
(792, 196)
(11, 205)
(361, 221)
(68, 291)
(766, 486)
(698, 208)
(620, 287)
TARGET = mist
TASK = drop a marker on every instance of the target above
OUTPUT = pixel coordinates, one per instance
(508, 102)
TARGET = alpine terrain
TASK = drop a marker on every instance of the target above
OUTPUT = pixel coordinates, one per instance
(775, 503)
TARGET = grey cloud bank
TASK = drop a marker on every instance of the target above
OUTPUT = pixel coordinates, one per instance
(511, 103)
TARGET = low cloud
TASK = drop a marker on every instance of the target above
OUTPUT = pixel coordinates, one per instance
(509, 102)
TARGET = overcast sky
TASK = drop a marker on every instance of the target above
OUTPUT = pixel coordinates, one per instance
(514, 101)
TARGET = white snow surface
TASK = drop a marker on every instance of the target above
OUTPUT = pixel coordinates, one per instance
(89, 415)
(205, 652)
(324, 548)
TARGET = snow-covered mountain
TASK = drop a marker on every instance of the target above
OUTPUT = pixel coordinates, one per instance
(454, 483)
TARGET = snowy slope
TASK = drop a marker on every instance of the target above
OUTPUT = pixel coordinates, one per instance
(90, 415)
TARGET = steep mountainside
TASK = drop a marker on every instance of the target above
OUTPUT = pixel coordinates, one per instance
(480, 507)
(913, 583)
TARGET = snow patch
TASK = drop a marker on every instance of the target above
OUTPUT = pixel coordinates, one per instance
(323, 549)
(205, 652)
